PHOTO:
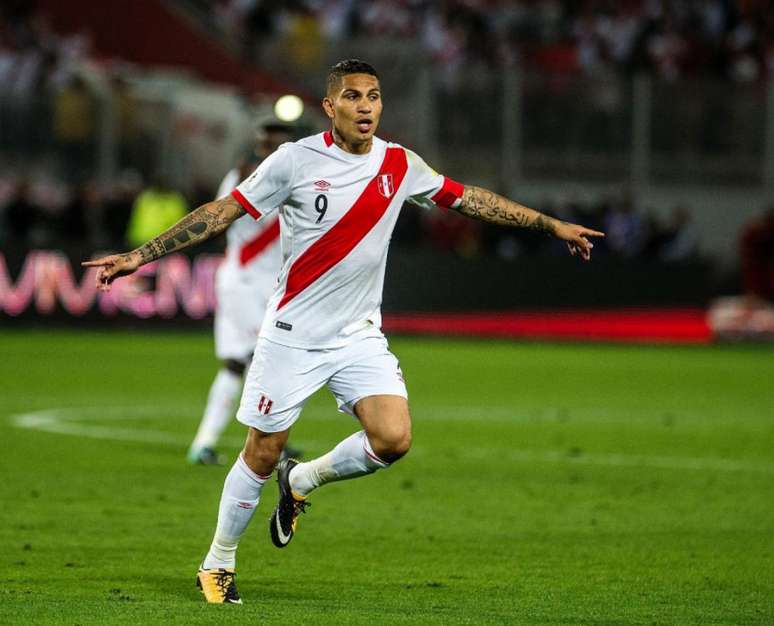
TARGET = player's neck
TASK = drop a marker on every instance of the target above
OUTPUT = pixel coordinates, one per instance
(351, 147)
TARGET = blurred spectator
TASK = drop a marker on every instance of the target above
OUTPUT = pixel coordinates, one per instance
(74, 126)
(757, 256)
(625, 229)
(681, 238)
(117, 207)
(21, 215)
(81, 220)
(80, 212)
(127, 127)
(302, 37)
(156, 209)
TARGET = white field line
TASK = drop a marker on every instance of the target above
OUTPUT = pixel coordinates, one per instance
(65, 421)
(62, 422)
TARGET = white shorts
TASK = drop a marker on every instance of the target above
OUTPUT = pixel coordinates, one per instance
(239, 314)
(281, 379)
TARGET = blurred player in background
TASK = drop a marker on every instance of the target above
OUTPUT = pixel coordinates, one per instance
(244, 282)
(338, 195)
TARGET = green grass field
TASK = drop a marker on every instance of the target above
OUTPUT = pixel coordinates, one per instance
(549, 484)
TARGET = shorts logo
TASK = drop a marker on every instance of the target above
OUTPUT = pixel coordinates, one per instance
(283, 325)
(264, 405)
(384, 185)
(321, 185)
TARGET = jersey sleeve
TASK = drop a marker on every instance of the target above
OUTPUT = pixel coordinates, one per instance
(269, 185)
(429, 188)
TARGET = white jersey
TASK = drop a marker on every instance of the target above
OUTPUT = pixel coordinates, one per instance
(252, 248)
(337, 214)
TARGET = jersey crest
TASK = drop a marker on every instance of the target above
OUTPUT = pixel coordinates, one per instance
(384, 185)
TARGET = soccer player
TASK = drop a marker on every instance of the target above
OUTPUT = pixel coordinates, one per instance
(340, 193)
(244, 282)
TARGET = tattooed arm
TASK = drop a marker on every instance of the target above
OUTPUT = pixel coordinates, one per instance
(489, 207)
(200, 224)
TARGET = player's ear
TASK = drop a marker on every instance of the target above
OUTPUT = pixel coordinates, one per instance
(327, 105)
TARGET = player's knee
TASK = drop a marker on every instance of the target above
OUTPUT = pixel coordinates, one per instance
(262, 451)
(261, 460)
(234, 366)
(393, 447)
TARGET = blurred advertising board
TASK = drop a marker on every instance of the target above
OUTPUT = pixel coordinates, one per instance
(49, 284)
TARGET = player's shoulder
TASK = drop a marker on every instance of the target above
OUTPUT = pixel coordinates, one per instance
(308, 150)
(414, 160)
(319, 143)
(384, 144)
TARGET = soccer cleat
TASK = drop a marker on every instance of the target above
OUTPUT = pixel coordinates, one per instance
(204, 456)
(218, 585)
(282, 523)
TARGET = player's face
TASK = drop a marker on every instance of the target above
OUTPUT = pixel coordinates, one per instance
(355, 108)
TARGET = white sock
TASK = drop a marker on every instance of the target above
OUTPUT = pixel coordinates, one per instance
(241, 493)
(223, 395)
(353, 457)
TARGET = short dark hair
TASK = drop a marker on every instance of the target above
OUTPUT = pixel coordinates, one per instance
(348, 66)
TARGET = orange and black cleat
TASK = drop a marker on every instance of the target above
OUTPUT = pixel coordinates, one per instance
(218, 585)
(282, 524)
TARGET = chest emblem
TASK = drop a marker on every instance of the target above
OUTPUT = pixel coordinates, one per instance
(384, 185)
(321, 185)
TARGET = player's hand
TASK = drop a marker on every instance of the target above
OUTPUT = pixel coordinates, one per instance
(113, 266)
(577, 238)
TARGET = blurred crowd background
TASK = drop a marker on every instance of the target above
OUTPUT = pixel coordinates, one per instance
(732, 40)
(650, 119)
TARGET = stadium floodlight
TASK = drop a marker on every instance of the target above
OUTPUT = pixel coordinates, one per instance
(289, 108)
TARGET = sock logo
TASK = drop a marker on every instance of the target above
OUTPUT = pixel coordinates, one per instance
(264, 405)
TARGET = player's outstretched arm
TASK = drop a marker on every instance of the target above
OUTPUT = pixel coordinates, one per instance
(200, 224)
(490, 207)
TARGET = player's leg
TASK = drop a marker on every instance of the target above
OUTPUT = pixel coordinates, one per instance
(221, 402)
(278, 383)
(238, 502)
(385, 438)
(370, 386)
(241, 493)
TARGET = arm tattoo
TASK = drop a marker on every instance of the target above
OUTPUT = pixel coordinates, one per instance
(151, 251)
(487, 206)
(207, 221)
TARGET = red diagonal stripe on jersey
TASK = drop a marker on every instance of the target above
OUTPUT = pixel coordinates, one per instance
(253, 248)
(343, 236)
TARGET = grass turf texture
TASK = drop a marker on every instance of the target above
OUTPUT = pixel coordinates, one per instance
(549, 484)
